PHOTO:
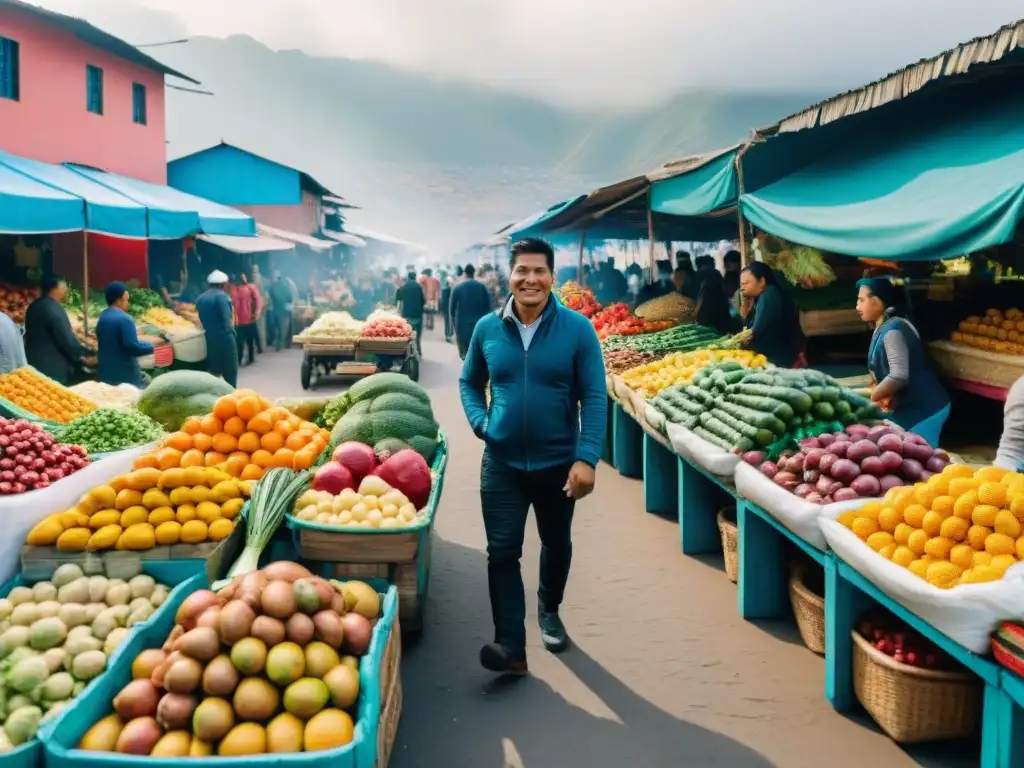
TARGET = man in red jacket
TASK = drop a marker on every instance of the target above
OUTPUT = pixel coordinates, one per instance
(248, 308)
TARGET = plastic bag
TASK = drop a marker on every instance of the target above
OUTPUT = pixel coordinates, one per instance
(699, 451)
(967, 614)
(798, 515)
(20, 513)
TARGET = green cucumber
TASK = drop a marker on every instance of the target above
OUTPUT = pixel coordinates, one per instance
(824, 411)
(711, 438)
(712, 423)
(776, 408)
(831, 394)
(842, 409)
(701, 396)
(797, 400)
(749, 431)
(759, 419)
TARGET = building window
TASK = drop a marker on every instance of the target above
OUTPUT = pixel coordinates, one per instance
(94, 89)
(10, 75)
(138, 104)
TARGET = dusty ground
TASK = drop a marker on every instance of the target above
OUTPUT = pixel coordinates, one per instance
(662, 672)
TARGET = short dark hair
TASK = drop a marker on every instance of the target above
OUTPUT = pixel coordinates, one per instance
(761, 271)
(412, 276)
(680, 255)
(114, 292)
(705, 261)
(470, 270)
(428, 272)
(458, 270)
(733, 257)
(51, 282)
(532, 245)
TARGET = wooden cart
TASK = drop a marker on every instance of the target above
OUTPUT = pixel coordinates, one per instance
(324, 357)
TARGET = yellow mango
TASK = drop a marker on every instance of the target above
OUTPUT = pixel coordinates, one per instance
(134, 516)
(168, 533)
(46, 532)
(104, 517)
(172, 478)
(230, 508)
(138, 537)
(105, 538)
(161, 515)
(74, 539)
(154, 498)
(143, 479)
(102, 497)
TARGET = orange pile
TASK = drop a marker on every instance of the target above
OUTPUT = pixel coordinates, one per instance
(245, 435)
(40, 396)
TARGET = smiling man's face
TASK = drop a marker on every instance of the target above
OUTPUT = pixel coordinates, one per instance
(531, 279)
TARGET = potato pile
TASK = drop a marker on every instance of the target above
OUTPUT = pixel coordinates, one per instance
(57, 635)
(255, 668)
(148, 508)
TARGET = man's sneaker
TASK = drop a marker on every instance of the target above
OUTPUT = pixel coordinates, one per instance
(496, 658)
(552, 632)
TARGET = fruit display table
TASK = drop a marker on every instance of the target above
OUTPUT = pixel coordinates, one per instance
(627, 443)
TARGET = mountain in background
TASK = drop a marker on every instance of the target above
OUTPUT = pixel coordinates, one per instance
(441, 162)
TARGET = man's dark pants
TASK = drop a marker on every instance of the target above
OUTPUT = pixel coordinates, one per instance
(248, 338)
(506, 495)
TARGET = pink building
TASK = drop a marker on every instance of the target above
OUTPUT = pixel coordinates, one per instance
(70, 92)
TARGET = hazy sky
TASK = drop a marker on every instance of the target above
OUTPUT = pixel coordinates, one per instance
(589, 51)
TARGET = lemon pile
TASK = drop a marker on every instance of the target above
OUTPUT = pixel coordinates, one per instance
(961, 526)
(679, 367)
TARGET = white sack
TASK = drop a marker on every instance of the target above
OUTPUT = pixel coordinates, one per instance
(967, 614)
(699, 451)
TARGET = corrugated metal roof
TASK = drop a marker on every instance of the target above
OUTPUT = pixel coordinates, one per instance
(956, 62)
(87, 33)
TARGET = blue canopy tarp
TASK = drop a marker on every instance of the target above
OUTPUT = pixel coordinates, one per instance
(934, 188)
(105, 211)
(708, 187)
(171, 213)
(29, 207)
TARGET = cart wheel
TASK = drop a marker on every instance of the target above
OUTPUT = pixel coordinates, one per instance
(304, 372)
(411, 368)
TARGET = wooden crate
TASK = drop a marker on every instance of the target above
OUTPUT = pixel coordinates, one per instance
(40, 562)
(390, 696)
(384, 346)
(358, 547)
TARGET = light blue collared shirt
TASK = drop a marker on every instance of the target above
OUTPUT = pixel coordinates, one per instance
(526, 332)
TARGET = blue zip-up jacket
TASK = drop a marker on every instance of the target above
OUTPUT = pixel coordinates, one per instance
(548, 404)
(119, 348)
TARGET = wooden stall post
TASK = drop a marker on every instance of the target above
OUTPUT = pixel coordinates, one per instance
(85, 281)
(579, 257)
(650, 234)
(738, 162)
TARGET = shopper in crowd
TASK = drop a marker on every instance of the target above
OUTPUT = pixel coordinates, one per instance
(611, 283)
(411, 304)
(733, 263)
(12, 346)
(470, 301)
(216, 314)
(447, 283)
(118, 340)
(905, 383)
(662, 286)
(282, 297)
(712, 303)
(684, 262)
(432, 295)
(51, 346)
(1011, 444)
(543, 434)
(248, 306)
(771, 316)
(261, 322)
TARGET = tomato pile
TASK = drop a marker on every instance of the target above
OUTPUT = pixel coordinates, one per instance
(33, 459)
(15, 300)
(616, 320)
(388, 328)
(579, 299)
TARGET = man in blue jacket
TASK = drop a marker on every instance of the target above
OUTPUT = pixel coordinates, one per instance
(543, 431)
(118, 340)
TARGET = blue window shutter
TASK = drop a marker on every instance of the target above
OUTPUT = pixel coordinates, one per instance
(10, 75)
(94, 89)
(139, 104)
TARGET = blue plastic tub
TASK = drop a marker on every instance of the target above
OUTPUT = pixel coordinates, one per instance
(95, 703)
(185, 576)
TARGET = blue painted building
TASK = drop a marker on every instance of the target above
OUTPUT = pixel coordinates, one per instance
(276, 195)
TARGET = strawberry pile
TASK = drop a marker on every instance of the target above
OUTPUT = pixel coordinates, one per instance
(902, 643)
(388, 328)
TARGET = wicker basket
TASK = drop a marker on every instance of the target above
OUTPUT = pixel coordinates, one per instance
(914, 705)
(958, 361)
(391, 697)
(730, 542)
(809, 610)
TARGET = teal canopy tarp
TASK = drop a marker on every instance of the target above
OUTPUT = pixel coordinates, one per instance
(29, 207)
(173, 214)
(105, 211)
(705, 189)
(933, 189)
(533, 226)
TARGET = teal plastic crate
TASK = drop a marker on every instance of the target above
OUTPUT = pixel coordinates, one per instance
(95, 703)
(185, 576)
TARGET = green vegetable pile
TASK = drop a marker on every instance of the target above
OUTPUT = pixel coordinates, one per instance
(682, 338)
(739, 409)
(109, 429)
(332, 412)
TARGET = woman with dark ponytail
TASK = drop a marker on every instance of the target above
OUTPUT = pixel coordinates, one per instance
(905, 384)
(771, 316)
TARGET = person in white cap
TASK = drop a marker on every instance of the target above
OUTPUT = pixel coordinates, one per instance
(217, 315)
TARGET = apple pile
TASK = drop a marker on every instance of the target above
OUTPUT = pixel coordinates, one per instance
(390, 327)
(860, 462)
(903, 644)
(32, 459)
